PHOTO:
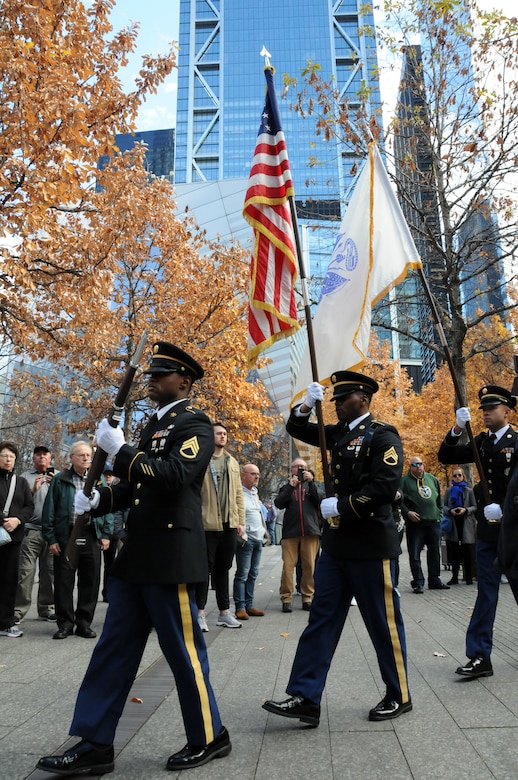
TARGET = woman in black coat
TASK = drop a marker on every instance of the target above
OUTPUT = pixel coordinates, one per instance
(460, 504)
(19, 510)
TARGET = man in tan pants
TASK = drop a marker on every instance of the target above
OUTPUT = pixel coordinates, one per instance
(300, 498)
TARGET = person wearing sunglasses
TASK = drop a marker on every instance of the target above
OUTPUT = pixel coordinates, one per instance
(422, 510)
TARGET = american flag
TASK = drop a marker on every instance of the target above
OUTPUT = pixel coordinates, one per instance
(272, 311)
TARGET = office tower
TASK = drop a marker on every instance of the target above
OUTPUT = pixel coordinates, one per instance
(476, 237)
(414, 315)
(159, 160)
(221, 85)
(221, 89)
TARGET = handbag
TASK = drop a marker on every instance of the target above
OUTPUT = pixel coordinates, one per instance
(5, 536)
(446, 524)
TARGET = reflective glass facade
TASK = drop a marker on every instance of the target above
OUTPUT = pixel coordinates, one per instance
(221, 85)
(159, 154)
(221, 88)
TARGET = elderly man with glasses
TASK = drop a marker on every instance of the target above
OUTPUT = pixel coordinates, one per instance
(249, 546)
(422, 510)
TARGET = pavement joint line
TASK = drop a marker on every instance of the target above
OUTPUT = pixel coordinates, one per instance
(480, 717)
(152, 693)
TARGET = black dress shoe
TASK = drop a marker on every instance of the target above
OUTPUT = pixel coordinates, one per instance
(418, 589)
(286, 606)
(81, 759)
(388, 708)
(295, 707)
(438, 586)
(453, 581)
(476, 667)
(86, 632)
(197, 756)
(62, 633)
(306, 605)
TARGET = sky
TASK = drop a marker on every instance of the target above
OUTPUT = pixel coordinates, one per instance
(159, 26)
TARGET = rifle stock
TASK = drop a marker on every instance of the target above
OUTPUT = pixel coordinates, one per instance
(77, 539)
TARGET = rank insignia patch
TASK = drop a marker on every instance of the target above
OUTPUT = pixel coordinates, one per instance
(190, 448)
(390, 457)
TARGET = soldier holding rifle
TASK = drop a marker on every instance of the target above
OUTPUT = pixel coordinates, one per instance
(153, 578)
(498, 451)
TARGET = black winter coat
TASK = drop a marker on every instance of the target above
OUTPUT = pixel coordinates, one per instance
(498, 464)
(367, 529)
(302, 505)
(161, 483)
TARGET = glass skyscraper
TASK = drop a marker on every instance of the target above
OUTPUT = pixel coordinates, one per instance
(221, 85)
(221, 88)
(159, 159)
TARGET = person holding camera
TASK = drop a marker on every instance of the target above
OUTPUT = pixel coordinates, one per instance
(34, 547)
(300, 498)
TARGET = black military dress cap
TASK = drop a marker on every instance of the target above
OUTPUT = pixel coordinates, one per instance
(168, 358)
(347, 382)
(492, 395)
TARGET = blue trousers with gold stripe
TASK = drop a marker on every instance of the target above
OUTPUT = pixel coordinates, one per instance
(336, 582)
(133, 610)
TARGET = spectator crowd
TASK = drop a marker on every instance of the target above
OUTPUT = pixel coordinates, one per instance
(170, 518)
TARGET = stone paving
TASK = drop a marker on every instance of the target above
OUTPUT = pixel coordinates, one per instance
(458, 728)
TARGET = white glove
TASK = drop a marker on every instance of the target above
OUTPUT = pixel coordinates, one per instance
(315, 392)
(329, 507)
(462, 416)
(109, 439)
(83, 504)
(493, 512)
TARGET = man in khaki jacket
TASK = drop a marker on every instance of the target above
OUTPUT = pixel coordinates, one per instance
(223, 514)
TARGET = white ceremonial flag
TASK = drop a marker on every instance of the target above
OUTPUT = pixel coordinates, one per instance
(373, 252)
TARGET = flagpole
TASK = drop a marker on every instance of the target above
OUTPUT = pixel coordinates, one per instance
(312, 352)
(458, 392)
(280, 180)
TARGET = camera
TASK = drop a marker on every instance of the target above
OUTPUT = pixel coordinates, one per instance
(300, 474)
(50, 472)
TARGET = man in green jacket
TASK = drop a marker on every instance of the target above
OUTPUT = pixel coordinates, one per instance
(422, 510)
(58, 518)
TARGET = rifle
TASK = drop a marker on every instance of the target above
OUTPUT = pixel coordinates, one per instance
(77, 538)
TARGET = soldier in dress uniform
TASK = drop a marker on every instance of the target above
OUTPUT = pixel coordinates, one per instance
(360, 546)
(153, 578)
(498, 450)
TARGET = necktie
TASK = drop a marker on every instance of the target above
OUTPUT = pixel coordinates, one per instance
(492, 439)
(148, 426)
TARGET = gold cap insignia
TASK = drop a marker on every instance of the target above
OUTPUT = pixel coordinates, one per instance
(155, 349)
